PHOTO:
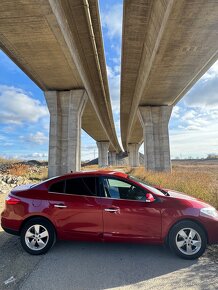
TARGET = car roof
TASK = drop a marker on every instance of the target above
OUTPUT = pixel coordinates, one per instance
(96, 173)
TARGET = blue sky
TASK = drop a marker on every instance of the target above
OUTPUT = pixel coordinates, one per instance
(24, 128)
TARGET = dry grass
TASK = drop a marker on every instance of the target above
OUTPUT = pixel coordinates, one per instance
(19, 170)
(200, 181)
(89, 167)
(42, 174)
(8, 161)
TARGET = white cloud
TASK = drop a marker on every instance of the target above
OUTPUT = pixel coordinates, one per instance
(175, 112)
(196, 134)
(197, 119)
(37, 138)
(8, 129)
(38, 155)
(211, 73)
(89, 147)
(2, 138)
(21, 156)
(35, 155)
(112, 20)
(5, 142)
(205, 93)
(109, 71)
(194, 143)
(116, 60)
(114, 83)
(189, 115)
(18, 107)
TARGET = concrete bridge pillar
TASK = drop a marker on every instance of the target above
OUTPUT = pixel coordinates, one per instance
(66, 109)
(133, 152)
(154, 121)
(103, 147)
(112, 158)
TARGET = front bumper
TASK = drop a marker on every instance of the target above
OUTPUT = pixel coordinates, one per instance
(211, 227)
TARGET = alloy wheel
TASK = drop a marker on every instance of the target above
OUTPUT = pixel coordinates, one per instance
(36, 237)
(188, 241)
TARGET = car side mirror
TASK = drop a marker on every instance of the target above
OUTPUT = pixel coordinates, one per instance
(149, 197)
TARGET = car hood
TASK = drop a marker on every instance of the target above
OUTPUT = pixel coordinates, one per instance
(183, 196)
(180, 195)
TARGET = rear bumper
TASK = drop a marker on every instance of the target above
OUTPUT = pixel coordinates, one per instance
(10, 226)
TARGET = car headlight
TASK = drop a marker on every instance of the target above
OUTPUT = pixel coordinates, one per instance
(208, 211)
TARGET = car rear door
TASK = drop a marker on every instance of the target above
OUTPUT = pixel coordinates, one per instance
(76, 208)
(126, 215)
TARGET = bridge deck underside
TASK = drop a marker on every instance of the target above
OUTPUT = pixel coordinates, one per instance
(167, 46)
(32, 36)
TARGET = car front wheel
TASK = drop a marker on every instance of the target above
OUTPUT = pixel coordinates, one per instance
(37, 236)
(187, 240)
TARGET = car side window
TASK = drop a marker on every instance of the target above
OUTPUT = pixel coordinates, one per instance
(81, 186)
(118, 189)
(58, 187)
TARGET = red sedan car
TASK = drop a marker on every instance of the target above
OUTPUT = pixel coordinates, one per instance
(108, 206)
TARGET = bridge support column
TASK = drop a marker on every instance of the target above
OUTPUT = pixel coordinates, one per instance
(112, 158)
(154, 121)
(133, 152)
(103, 147)
(66, 109)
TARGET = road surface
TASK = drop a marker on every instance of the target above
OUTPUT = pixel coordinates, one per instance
(83, 265)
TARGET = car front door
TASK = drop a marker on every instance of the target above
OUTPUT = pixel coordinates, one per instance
(127, 215)
(76, 208)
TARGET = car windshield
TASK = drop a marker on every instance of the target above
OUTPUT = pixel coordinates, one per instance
(151, 188)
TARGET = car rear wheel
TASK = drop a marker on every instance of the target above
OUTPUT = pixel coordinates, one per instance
(37, 236)
(187, 240)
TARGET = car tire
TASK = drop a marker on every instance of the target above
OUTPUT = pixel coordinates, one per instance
(187, 240)
(37, 236)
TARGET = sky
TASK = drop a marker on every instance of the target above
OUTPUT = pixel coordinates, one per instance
(24, 129)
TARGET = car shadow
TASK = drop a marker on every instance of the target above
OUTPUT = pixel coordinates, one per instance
(83, 265)
(95, 266)
(15, 263)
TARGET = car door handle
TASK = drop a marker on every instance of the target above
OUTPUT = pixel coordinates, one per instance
(111, 209)
(60, 206)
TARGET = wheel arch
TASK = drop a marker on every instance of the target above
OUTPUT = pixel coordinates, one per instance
(37, 216)
(186, 220)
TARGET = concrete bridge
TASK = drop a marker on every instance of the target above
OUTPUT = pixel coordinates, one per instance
(167, 46)
(58, 44)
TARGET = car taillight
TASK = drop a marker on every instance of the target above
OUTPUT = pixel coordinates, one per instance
(12, 200)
